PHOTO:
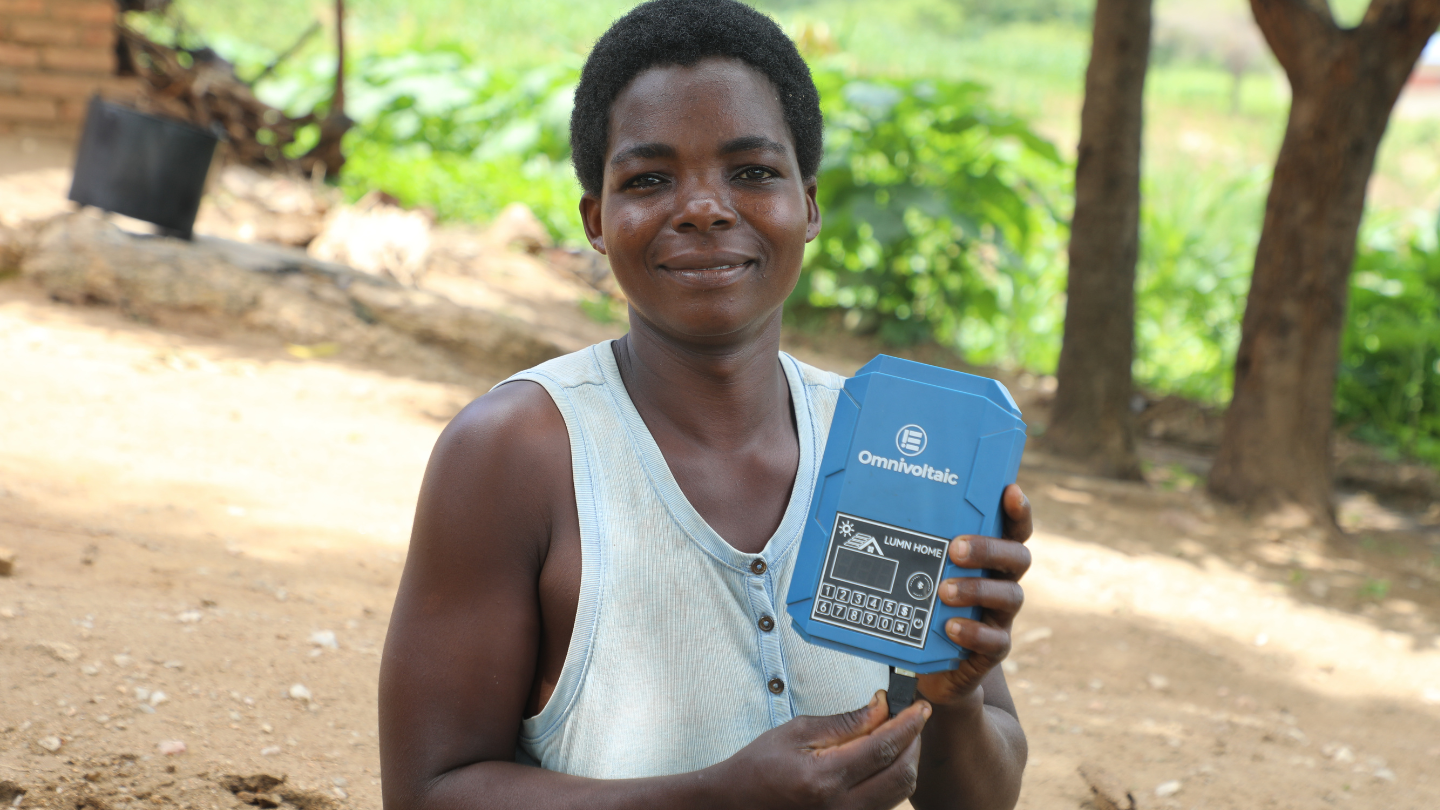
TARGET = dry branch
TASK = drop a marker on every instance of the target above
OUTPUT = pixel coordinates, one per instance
(202, 89)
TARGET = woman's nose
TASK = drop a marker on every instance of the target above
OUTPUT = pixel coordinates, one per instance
(703, 207)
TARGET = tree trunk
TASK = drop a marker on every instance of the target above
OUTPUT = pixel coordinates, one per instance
(1275, 447)
(1091, 420)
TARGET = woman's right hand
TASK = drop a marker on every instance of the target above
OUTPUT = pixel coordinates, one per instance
(860, 760)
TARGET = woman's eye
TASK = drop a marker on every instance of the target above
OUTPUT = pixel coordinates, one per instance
(645, 181)
(756, 173)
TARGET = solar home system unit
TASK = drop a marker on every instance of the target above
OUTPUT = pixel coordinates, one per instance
(916, 456)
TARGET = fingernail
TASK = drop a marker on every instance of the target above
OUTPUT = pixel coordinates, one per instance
(952, 629)
(925, 710)
(960, 550)
(874, 699)
(949, 592)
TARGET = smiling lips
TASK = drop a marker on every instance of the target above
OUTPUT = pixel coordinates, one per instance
(707, 278)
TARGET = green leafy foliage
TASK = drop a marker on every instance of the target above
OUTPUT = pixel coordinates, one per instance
(1197, 249)
(936, 222)
(1197, 253)
(441, 130)
(937, 225)
(945, 220)
(956, 17)
(1074, 12)
(1388, 391)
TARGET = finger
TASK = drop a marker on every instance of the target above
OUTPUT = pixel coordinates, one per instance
(980, 638)
(1000, 597)
(894, 784)
(859, 759)
(1017, 521)
(828, 732)
(1009, 559)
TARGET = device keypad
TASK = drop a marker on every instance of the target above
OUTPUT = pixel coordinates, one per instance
(880, 580)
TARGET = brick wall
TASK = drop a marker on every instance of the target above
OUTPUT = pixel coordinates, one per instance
(54, 55)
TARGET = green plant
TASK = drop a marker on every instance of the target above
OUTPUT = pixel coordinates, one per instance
(441, 130)
(939, 220)
(1074, 12)
(1197, 248)
(1388, 391)
(945, 213)
(602, 309)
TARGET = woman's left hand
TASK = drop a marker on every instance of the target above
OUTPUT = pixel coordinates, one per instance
(999, 595)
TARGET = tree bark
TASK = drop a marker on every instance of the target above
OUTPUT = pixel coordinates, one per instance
(1091, 420)
(1275, 448)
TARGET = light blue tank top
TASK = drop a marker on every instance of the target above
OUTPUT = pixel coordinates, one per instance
(669, 669)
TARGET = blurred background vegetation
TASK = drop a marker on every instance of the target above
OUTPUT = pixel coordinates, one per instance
(946, 184)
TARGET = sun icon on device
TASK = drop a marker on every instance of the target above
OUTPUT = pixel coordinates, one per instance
(847, 528)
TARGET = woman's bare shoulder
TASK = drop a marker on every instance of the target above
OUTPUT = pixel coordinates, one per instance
(503, 461)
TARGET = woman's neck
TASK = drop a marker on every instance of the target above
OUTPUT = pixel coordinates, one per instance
(718, 394)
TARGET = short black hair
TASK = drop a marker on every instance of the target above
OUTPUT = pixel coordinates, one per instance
(683, 32)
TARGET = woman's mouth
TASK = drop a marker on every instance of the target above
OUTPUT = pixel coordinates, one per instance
(708, 278)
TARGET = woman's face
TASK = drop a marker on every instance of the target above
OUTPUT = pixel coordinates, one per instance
(703, 213)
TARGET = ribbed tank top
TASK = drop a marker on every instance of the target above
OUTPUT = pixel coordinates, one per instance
(669, 669)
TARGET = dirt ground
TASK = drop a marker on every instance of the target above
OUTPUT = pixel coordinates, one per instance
(209, 531)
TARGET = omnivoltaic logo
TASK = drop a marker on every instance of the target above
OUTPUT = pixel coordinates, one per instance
(911, 440)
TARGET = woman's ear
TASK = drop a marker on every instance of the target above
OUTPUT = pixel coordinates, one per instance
(590, 218)
(812, 211)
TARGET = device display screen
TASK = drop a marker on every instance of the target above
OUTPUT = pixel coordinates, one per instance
(880, 580)
(859, 568)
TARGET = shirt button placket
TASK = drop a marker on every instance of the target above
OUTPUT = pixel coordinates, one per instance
(772, 666)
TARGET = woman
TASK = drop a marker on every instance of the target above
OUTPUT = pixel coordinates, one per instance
(603, 543)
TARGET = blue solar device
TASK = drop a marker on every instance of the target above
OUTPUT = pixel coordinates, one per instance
(916, 456)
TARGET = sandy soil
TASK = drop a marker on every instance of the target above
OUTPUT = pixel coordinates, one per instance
(209, 532)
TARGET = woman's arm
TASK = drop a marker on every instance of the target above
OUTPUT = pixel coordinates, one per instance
(460, 656)
(974, 749)
(974, 752)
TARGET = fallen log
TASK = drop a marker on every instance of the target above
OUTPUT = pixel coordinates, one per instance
(83, 260)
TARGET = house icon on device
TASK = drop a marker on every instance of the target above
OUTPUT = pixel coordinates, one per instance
(865, 544)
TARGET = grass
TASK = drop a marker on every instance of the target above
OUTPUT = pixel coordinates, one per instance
(1375, 589)
(507, 32)
(1172, 477)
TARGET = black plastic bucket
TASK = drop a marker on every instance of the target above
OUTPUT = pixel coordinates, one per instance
(142, 166)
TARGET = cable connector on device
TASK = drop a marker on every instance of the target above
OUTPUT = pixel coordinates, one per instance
(902, 690)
